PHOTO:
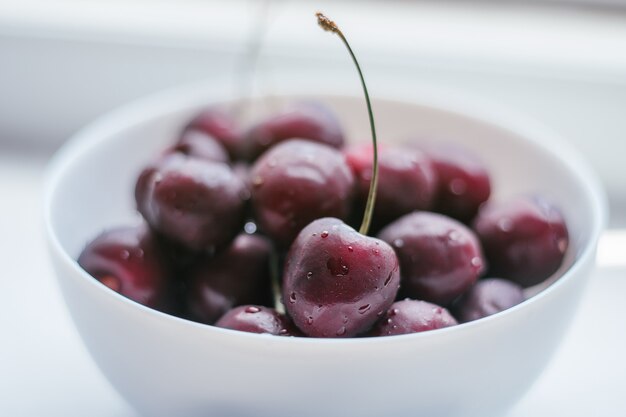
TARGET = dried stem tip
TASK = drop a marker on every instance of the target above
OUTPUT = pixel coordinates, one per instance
(330, 26)
(325, 23)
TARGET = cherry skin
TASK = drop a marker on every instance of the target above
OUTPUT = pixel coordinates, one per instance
(240, 274)
(406, 180)
(221, 126)
(336, 281)
(198, 144)
(308, 120)
(463, 182)
(296, 182)
(258, 319)
(525, 239)
(440, 257)
(196, 203)
(129, 261)
(488, 296)
(412, 316)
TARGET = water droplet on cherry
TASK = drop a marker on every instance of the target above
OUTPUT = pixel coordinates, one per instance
(364, 308)
(337, 267)
(249, 228)
(505, 224)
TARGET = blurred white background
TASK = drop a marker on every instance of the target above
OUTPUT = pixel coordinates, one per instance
(65, 62)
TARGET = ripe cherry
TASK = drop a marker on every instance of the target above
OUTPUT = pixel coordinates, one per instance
(240, 274)
(488, 296)
(336, 281)
(198, 144)
(221, 126)
(412, 316)
(407, 181)
(296, 182)
(129, 261)
(440, 257)
(258, 319)
(525, 239)
(308, 120)
(463, 182)
(196, 203)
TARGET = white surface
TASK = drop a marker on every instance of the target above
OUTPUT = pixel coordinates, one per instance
(166, 366)
(67, 78)
(46, 371)
(525, 37)
(68, 61)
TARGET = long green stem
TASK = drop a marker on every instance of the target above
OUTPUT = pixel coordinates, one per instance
(330, 26)
(275, 277)
(249, 62)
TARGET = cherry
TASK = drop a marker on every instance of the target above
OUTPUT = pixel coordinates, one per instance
(336, 281)
(240, 274)
(221, 126)
(196, 203)
(296, 182)
(129, 261)
(488, 296)
(407, 180)
(440, 257)
(307, 120)
(198, 144)
(257, 319)
(412, 316)
(525, 239)
(463, 182)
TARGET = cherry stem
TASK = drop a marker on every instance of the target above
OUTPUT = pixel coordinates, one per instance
(275, 276)
(331, 26)
(250, 59)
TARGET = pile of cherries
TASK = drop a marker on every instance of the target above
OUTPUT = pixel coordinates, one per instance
(238, 221)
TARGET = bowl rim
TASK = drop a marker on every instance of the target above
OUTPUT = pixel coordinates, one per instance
(195, 96)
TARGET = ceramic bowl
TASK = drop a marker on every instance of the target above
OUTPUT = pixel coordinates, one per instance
(167, 366)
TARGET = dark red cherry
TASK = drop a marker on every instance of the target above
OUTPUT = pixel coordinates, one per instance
(307, 120)
(488, 296)
(525, 239)
(406, 180)
(336, 281)
(258, 319)
(198, 144)
(439, 257)
(296, 182)
(221, 126)
(129, 261)
(412, 316)
(463, 182)
(240, 274)
(196, 203)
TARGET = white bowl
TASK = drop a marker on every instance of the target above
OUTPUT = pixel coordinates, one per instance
(167, 366)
